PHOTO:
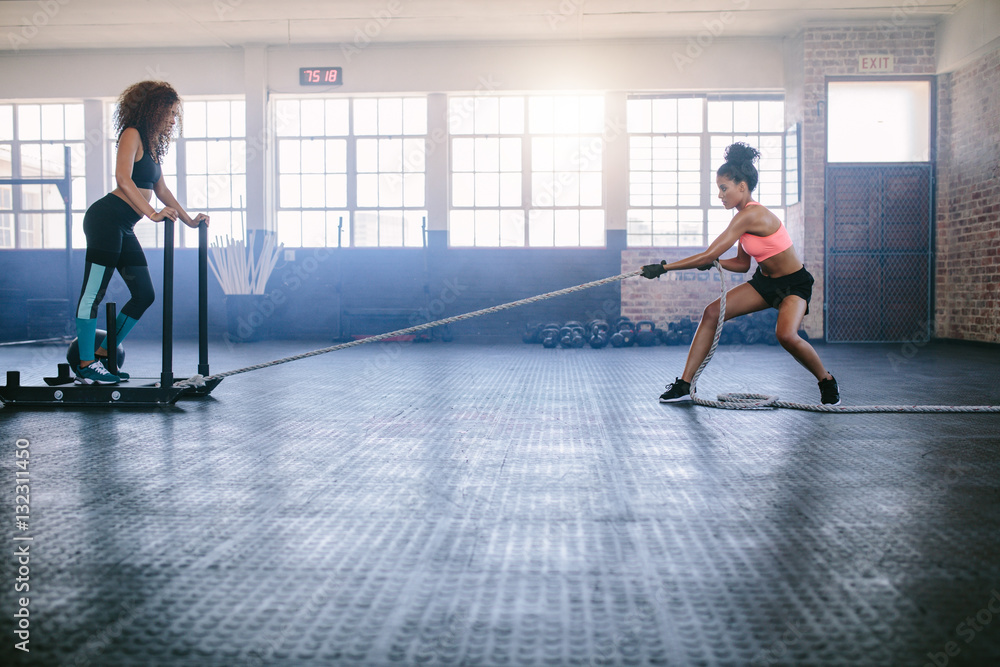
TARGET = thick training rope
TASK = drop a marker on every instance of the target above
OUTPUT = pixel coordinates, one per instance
(725, 401)
(423, 327)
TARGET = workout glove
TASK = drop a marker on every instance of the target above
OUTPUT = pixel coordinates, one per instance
(653, 271)
(706, 267)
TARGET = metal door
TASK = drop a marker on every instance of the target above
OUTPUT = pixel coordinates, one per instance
(879, 257)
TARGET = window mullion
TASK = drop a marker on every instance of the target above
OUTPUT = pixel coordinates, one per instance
(15, 191)
(706, 170)
(182, 189)
(527, 196)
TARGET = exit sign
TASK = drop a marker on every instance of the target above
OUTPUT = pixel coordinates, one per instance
(872, 64)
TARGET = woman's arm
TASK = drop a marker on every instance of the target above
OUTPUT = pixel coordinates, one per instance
(164, 194)
(722, 243)
(738, 264)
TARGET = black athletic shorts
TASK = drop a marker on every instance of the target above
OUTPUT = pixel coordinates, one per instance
(108, 227)
(774, 290)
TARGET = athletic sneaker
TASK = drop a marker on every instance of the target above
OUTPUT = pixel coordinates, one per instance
(677, 391)
(95, 373)
(122, 375)
(829, 392)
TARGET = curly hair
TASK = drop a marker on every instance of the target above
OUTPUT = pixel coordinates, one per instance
(739, 164)
(146, 106)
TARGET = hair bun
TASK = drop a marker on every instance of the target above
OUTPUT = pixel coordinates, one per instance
(741, 153)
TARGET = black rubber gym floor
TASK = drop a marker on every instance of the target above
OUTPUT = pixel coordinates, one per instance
(509, 505)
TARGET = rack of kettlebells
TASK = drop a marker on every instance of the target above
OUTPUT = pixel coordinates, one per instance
(752, 329)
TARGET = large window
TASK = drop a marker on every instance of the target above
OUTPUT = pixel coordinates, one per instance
(364, 155)
(215, 180)
(486, 171)
(675, 146)
(391, 135)
(666, 175)
(559, 202)
(312, 171)
(33, 138)
(205, 169)
(879, 121)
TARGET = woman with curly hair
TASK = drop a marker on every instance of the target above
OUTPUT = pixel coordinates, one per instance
(781, 281)
(144, 120)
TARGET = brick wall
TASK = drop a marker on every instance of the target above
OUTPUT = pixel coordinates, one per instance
(835, 51)
(968, 203)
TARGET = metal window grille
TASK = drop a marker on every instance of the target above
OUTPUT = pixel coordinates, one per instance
(878, 253)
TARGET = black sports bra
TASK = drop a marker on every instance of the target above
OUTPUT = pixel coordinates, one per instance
(145, 172)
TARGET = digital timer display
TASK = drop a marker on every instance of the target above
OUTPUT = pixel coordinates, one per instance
(321, 76)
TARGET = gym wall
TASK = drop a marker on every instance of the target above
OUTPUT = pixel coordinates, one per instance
(968, 202)
(386, 278)
(798, 65)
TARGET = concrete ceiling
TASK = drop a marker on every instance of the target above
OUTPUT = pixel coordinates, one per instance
(47, 25)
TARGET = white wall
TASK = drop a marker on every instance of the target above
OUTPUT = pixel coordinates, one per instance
(734, 64)
(601, 66)
(86, 74)
(971, 32)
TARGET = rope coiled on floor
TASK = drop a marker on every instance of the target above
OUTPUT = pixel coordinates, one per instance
(734, 401)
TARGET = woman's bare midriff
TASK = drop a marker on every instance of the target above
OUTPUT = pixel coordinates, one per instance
(782, 264)
(121, 195)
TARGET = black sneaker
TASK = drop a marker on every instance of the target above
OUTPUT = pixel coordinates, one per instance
(829, 392)
(676, 392)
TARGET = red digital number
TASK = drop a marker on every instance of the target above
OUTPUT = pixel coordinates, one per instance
(311, 76)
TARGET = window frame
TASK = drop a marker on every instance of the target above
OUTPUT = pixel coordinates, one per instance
(889, 78)
(47, 193)
(410, 230)
(708, 166)
(531, 212)
(500, 211)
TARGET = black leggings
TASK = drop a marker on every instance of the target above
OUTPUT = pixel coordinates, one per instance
(111, 244)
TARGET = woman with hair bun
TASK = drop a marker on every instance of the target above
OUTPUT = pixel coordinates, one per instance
(144, 119)
(780, 282)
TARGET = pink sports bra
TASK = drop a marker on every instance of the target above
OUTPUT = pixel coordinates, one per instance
(764, 247)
